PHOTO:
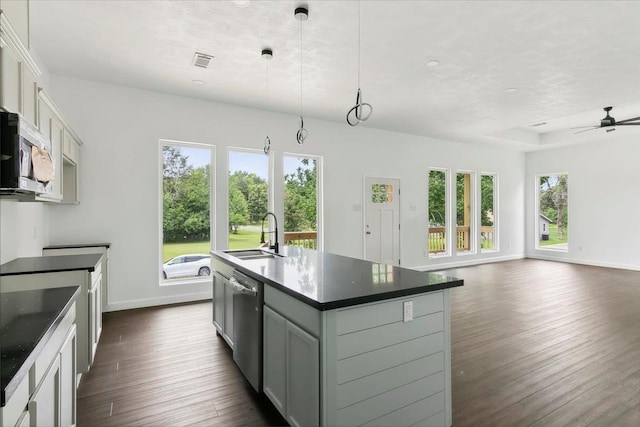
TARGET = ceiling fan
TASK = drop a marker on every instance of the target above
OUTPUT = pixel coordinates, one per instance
(610, 122)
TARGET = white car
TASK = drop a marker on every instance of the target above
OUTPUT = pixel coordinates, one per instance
(187, 265)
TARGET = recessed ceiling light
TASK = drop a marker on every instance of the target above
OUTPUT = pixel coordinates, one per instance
(511, 89)
(433, 63)
(197, 82)
(241, 3)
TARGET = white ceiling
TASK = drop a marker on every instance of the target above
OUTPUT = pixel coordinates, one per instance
(567, 59)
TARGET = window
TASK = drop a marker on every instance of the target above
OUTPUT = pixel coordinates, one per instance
(553, 205)
(488, 186)
(248, 199)
(186, 211)
(301, 201)
(437, 240)
(465, 228)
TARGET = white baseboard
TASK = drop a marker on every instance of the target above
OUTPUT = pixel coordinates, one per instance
(151, 302)
(466, 263)
(633, 267)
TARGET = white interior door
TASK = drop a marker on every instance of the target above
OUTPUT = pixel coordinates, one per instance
(382, 220)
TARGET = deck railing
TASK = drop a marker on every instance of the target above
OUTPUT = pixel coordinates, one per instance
(437, 240)
(305, 239)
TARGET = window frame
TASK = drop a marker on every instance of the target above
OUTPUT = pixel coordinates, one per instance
(212, 209)
(537, 213)
(496, 215)
(447, 214)
(319, 194)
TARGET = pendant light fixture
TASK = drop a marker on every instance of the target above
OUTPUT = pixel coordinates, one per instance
(301, 14)
(361, 111)
(267, 54)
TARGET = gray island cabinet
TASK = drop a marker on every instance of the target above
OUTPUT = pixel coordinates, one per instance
(348, 342)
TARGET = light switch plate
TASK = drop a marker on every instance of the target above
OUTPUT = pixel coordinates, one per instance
(408, 311)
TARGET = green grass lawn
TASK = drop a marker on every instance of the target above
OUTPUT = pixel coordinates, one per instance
(554, 238)
(169, 250)
(241, 240)
(244, 239)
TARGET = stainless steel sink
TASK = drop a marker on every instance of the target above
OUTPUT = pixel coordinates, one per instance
(248, 254)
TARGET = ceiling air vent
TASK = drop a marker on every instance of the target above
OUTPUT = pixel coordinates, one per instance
(202, 60)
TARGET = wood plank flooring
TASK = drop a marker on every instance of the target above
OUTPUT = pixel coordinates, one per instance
(540, 343)
(534, 343)
(166, 366)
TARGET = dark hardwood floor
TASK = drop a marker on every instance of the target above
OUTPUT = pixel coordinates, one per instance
(534, 343)
(540, 343)
(166, 366)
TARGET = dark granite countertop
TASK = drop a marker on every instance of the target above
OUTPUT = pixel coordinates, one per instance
(327, 281)
(27, 321)
(50, 264)
(78, 245)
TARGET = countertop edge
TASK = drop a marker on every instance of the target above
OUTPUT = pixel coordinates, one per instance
(78, 246)
(53, 270)
(342, 303)
(7, 392)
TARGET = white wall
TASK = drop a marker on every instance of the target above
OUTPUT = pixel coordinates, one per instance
(120, 178)
(24, 229)
(604, 203)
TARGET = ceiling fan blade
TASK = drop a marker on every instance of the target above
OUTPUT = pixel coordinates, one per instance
(629, 120)
(628, 124)
(582, 127)
(587, 130)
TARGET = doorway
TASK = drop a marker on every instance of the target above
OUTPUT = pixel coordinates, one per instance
(382, 220)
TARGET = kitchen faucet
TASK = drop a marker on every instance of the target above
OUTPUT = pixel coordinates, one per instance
(275, 246)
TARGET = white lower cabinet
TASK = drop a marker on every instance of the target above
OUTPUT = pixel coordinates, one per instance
(95, 316)
(47, 395)
(291, 378)
(223, 307)
(274, 359)
(68, 380)
(45, 403)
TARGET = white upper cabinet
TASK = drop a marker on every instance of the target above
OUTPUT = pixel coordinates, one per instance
(17, 13)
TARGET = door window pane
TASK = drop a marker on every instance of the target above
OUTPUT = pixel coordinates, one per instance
(186, 211)
(464, 218)
(248, 198)
(437, 242)
(488, 213)
(553, 207)
(301, 201)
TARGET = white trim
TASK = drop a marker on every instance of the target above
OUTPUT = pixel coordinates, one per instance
(474, 209)
(152, 302)
(467, 263)
(633, 267)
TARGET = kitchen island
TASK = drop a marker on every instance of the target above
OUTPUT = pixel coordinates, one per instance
(351, 342)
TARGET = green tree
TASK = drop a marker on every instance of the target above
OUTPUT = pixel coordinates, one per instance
(437, 199)
(185, 199)
(238, 211)
(300, 203)
(554, 194)
(486, 198)
(257, 201)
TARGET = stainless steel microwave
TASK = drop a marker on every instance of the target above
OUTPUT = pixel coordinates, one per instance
(26, 165)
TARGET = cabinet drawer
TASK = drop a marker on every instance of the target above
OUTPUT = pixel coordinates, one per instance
(51, 349)
(16, 406)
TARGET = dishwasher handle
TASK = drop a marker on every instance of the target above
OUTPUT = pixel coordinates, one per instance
(237, 287)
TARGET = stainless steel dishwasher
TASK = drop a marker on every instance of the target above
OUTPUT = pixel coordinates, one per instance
(248, 298)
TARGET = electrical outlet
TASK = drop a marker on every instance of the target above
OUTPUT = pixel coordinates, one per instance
(408, 311)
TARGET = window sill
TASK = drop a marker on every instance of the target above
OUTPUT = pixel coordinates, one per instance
(186, 281)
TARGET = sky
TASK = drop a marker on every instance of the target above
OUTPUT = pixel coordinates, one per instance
(256, 163)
